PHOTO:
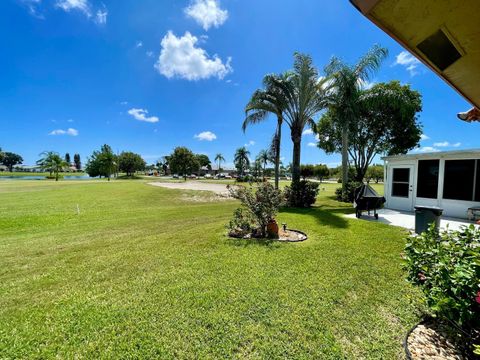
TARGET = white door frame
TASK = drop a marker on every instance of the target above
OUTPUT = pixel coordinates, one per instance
(402, 203)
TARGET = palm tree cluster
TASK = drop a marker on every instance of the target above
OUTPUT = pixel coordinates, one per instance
(297, 96)
(53, 163)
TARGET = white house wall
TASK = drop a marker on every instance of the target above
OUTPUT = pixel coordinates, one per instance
(452, 208)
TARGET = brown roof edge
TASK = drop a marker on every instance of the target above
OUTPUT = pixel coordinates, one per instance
(365, 6)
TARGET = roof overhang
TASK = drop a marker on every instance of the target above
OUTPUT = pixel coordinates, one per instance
(443, 34)
(457, 154)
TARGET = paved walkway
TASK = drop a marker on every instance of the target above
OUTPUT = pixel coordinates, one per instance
(407, 219)
(194, 185)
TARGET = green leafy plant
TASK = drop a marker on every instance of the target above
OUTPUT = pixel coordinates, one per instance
(301, 194)
(260, 203)
(446, 266)
(241, 224)
(348, 194)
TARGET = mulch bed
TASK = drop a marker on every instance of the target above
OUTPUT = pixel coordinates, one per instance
(288, 235)
(433, 339)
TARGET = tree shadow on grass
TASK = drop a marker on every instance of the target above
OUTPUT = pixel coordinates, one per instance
(327, 216)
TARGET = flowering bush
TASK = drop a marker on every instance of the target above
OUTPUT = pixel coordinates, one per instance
(301, 194)
(446, 267)
(260, 205)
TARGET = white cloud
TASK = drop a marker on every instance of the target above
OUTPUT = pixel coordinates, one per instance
(149, 53)
(141, 115)
(424, 137)
(250, 143)
(124, 103)
(138, 44)
(311, 144)
(32, 6)
(366, 85)
(69, 5)
(101, 17)
(205, 135)
(427, 149)
(180, 57)
(408, 61)
(207, 13)
(70, 120)
(446, 144)
(69, 131)
(307, 132)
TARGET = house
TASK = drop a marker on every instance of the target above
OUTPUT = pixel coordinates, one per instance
(441, 33)
(450, 180)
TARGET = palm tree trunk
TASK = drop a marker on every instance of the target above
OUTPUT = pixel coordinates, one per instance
(345, 166)
(277, 152)
(297, 140)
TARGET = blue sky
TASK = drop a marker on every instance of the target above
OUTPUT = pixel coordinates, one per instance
(149, 75)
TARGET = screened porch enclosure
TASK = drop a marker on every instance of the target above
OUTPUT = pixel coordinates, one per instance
(450, 180)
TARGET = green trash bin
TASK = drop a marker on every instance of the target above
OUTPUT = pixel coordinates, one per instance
(425, 216)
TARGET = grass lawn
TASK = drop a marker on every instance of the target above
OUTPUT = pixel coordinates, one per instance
(22, 173)
(147, 272)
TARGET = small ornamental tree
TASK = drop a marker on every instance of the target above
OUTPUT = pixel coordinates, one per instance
(260, 203)
(10, 159)
(130, 163)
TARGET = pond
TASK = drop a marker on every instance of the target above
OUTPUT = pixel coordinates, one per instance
(42, 177)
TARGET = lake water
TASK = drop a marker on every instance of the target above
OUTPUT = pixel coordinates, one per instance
(40, 177)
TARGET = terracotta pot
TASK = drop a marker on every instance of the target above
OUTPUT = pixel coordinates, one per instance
(272, 228)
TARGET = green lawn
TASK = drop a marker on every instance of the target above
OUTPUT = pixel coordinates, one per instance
(25, 173)
(147, 272)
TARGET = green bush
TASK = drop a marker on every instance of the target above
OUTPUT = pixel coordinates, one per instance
(260, 204)
(53, 177)
(241, 223)
(349, 194)
(446, 267)
(301, 194)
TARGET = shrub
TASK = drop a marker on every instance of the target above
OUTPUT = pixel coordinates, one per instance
(349, 194)
(446, 267)
(241, 223)
(260, 203)
(53, 177)
(301, 194)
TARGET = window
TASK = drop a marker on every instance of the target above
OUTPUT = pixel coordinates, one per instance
(427, 182)
(400, 182)
(459, 180)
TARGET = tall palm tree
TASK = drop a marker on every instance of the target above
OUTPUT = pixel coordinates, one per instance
(52, 162)
(219, 159)
(266, 101)
(264, 158)
(345, 84)
(241, 159)
(306, 93)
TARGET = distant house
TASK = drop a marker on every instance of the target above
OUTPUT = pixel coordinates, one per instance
(3, 168)
(214, 170)
(27, 168)
(450, 180)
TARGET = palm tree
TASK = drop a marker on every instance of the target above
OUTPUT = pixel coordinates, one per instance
(219, 158)
(306, 93)
(263, 102)
(345, 84)
(264, 158)
(52, 162)
(241, 159)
